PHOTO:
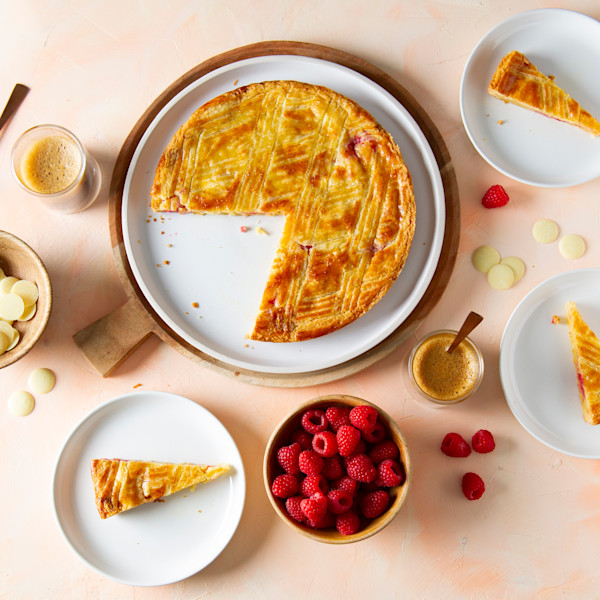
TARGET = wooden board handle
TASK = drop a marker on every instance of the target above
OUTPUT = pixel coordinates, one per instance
(107, 342)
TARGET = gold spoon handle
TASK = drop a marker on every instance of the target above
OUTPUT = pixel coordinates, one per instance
(17, 96)
(473, 319)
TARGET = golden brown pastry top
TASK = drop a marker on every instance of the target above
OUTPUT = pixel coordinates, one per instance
(120, 485)
(519, 81)
(313, 155)
(586, 357)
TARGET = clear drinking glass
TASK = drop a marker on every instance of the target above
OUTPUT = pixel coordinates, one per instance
(445, 379)
(49, 162)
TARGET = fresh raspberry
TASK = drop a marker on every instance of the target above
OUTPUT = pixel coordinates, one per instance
(315, 507)
(313, 421)
(361, 468)
(325, 443)
(378, 433)
(314, 483)
(348, 523)
(483, 441)
(389, 473)
(384, 450)
(337, 416)
(472, 486)
(339, 501)
(284, 486)
(363, 417)
(287, 457)
(495, 197)
(346, 483)
(303, 438)
(374, 504)
(292, 506)
(332, 468)
(325, 521)
(310, 462)
(454, 445)
(347, 438)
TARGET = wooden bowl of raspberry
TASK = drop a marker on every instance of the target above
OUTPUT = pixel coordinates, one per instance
(337, 469)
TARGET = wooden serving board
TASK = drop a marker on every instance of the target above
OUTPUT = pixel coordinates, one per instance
(109, 341)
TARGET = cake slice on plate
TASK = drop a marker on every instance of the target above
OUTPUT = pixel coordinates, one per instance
(120, 485)
(519, 81)
(586, 357)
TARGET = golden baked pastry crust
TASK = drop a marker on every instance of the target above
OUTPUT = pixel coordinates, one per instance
(518, 81)
(306, 152)
(120, 485)
(586, 358)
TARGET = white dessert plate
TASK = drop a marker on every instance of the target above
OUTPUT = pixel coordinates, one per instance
(160, 542)
(536, 363)
(210, 291)
(520, 143)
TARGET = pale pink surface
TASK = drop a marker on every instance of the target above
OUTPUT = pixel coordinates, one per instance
(94, 68)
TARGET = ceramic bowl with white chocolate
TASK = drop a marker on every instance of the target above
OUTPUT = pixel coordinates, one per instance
(337, 488)
(25, 298)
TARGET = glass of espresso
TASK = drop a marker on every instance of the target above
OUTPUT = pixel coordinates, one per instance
(50, 163)
(444, 378)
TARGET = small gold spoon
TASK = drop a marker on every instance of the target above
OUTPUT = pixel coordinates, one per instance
(17, 96)
(472, 320)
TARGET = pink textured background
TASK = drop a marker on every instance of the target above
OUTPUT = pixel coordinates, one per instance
(94, 68)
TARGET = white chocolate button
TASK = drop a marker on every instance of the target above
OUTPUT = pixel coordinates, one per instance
(484, 258)
(20, 403)
(571, 246)
(6, 284)
(4, 342)
(545, 231)
(516, 264)
(28, 313)
(11, 306)
(501, 277)
(15, 341)
(41, 381)
(2, 274)
(27, 290)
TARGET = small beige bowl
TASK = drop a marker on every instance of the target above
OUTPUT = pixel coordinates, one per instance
(280, 437)
(19, 260)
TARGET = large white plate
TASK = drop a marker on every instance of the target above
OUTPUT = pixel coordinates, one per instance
(225, 271)
(529, 147)
(156, 543)
(536, 363)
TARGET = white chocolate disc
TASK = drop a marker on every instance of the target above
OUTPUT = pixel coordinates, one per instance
(4, 342)
(28, 313)
(571, 246)
(27, 290)
(545, 231)
(2, 274)
(484, 258)
(11, 306)
(516, 264)
(501, 277)
(6, 284)
(41, 381)
(15, 341)
(20, 403)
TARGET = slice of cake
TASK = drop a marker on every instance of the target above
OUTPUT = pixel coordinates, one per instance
(586, 357)
(120, 485)
(518, 81)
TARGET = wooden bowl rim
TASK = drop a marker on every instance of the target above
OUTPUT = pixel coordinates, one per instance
(398, 497)
(30, 338)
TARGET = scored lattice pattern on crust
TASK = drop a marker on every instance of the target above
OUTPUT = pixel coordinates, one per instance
(313, 155)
